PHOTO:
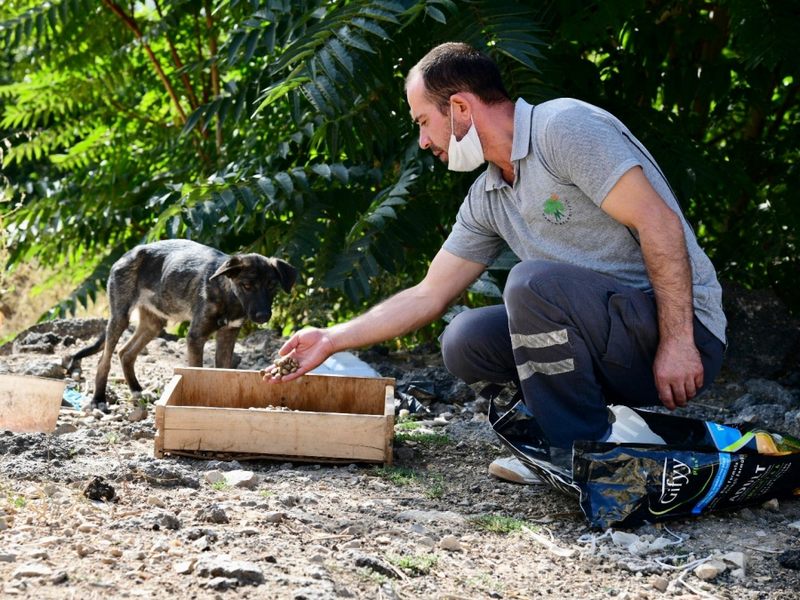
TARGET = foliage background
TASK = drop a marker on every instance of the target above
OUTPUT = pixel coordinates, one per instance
(281, 127)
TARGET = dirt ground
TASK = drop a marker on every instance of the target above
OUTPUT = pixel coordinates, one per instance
(434, 525)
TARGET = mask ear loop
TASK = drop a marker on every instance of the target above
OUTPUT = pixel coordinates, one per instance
(452, 127)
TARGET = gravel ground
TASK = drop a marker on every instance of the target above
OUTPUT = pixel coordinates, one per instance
(434, 525)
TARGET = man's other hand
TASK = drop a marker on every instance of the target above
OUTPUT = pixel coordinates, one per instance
(678, 372)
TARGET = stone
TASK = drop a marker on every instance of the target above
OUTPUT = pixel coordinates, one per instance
(709, 570)
(162, 473)
(214, 476)
(184, 567)
(49, 370)
(213, 513)
(65, 428)
(242, 479)
(155, 501)
(660, 583)
(221, 583)
(38, 554)
(139, 413)
(84, 549)
(430, 516)
(737, 559)
(450, 543)
(771, 505)
(274, 516)
(202, 544)
(34, 569)
(51, 489)
(222, 565)
(59, 577)
(166, 520)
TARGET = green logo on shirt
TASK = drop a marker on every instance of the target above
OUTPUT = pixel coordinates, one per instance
(555, 210)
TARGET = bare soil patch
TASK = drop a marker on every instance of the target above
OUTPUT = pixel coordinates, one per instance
(434, 525)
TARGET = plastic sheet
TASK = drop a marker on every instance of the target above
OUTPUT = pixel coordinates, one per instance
(701, 467)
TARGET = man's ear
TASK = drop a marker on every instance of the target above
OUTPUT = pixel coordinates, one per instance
(460, 106)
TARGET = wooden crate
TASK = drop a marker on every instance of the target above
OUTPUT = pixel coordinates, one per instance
(29, 404)
(331, 418)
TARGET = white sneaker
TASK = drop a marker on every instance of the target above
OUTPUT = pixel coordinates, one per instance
(510, 468)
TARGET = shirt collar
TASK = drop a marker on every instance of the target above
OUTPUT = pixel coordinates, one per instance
(520, 146)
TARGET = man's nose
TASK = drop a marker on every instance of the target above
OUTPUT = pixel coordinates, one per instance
(424, 141)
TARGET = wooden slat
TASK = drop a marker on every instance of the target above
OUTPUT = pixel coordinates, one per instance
(388, 414)
(231, 388)
(290, 433)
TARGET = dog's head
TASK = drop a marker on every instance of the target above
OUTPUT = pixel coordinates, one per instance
(255, 280)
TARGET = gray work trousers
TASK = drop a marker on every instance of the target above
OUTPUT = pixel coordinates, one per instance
(573, 341)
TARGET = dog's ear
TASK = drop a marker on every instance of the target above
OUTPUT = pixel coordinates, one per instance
(229, 268)
(287, 274)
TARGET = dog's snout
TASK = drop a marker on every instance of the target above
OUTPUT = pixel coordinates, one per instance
(262, 316)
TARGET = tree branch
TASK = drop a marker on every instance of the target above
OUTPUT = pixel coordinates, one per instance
(130, 22)
(176, 59)
(212, 44)
(200, 56)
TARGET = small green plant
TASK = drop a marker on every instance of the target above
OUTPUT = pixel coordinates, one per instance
(372, 576)
(426, 439)
(435, 487)
(17, 501)
(266, 493)
(500, 524)
(398, 475)
(407, 425)
(220, 485)
(418, 564)
(112, 438)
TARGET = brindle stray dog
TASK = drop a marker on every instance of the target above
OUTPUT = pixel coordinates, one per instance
(183, 280)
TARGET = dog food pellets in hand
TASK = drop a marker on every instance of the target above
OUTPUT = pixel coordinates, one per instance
(282, 366)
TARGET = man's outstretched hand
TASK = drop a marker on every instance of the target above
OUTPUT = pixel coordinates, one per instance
(308, 348)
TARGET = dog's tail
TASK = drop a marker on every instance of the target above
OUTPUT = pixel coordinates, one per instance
(74, 360)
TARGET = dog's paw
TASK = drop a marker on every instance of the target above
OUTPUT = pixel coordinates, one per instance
(100, 405)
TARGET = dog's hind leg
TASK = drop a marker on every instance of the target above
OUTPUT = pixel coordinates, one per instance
(149, 326)
(114, 330)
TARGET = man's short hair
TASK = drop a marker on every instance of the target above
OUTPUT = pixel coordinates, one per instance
(455, 67)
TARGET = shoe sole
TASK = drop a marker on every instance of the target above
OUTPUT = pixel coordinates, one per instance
(508, 475)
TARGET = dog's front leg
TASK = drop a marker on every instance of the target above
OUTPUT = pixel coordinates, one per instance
(195, 342)
(226, 340)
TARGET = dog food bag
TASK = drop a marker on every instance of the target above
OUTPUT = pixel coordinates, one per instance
(696, 467)
(625, 486)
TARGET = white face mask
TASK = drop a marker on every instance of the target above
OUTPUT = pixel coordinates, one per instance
(465, 154)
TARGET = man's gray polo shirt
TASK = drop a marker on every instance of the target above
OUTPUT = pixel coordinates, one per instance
(567, 155)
